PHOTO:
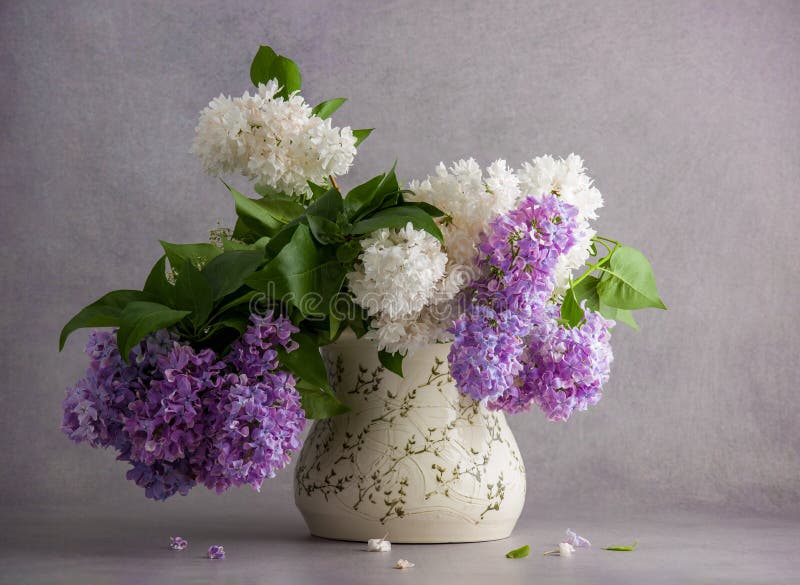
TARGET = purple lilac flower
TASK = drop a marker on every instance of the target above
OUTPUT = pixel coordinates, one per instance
(485, 355)
(180, 416)
(166, 422)
(177, 543)
(518, 257)
(575, 540)
(257, 429)
(564, 369)
(216, 552)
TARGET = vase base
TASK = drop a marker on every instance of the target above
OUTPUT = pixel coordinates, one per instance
(428, 528)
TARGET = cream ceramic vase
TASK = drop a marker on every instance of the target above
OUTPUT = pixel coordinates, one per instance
(414, 459)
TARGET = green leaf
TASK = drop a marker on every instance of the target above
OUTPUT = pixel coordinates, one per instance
(361, 135)
(198, 254)
(571, 312)
(519, 553)
(328, 107)
(139, 318)
(322, 216)
(306, 362)
(628, 281)
(398, 217)
(585, 289)
(226, 272)
(193, 293)
(431, 210)
(267, 64)
(369, 196)
(348, 251)
(392, 361)
(318, 404)
(104, 312)
(329, 205)
(301, 274)
(335, 325)
(244, 299)
(623, 548)
(619, 315)
(157, 285)
(235, 245)
(265, 216)
(317, 191)
(325, 231)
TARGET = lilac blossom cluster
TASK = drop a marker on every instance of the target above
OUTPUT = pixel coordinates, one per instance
(509, 348)
(182, 417)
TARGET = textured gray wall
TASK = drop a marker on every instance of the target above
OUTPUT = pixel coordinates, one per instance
(686, 113)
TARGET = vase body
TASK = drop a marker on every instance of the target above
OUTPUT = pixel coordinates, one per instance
(414, 458)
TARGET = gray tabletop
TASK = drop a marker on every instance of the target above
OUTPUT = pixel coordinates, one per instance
(675, 546)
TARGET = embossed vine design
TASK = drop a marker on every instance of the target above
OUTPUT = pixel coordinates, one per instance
(382, 489)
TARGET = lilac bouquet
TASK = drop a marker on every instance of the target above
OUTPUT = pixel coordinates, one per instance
(211, 369)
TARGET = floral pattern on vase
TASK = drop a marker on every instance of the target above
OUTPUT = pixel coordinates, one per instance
(414, 458)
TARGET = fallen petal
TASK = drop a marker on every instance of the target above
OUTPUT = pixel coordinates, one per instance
(378, 545)
(576, 540)
(216, 552)
(565, 549)
(177, 543)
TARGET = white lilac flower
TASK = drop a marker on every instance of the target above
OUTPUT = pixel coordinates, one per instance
(470, 200)
(567, 179)
(397, 272)
(403, 564)
(273, 141)
(565, 549)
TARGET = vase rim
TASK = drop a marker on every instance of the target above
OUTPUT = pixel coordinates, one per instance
(348, 337)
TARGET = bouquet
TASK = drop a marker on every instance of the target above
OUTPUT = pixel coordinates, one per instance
(210, 371)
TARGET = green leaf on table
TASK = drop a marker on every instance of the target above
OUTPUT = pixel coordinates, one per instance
(104, 312)
(198, 254)
(301, 274)
(519, 553)
(398, 217)
(392, 361)
(140, 318)
(361, 135)
(619, 315)
(193, 293)
(318, 404)
(628, 281)
(623, 548)
(328, 107)
(226, 272)
(157, 285)
(267, 64)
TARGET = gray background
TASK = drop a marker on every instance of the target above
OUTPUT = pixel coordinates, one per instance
(686, 114)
